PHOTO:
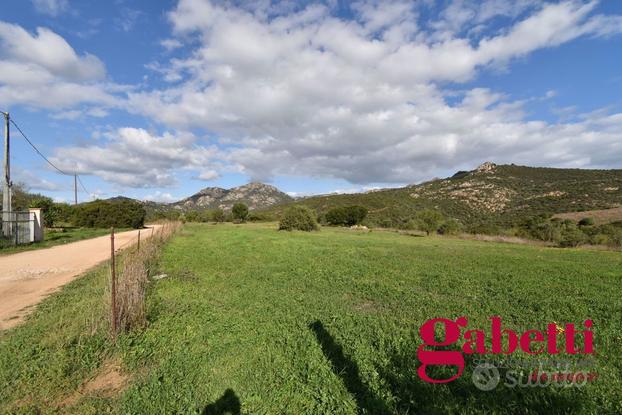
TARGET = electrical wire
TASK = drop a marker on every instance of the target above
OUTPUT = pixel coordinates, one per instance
(45, 158)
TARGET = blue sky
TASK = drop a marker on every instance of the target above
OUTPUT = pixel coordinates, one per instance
(158, 99)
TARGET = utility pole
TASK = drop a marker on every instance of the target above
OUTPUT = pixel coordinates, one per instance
(75, 189)
(6, 190)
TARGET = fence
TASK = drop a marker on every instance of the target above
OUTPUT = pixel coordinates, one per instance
(20, 227)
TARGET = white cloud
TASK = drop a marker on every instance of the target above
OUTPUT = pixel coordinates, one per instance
(161, 197)
(37, 183)
(208, 175)
(51, 7)
(133, 157)
(305, 93)
(42, 70)
(171, 44)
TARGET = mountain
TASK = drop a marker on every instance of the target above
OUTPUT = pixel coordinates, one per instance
(497, 195)
(254, 195)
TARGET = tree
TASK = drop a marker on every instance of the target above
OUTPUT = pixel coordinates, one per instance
(218, 215)
(106, 213)
(449, 227)
(298, 217)
(428, 220)
(239, 212)
(346, 215)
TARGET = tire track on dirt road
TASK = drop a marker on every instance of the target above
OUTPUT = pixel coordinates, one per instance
(26, 278)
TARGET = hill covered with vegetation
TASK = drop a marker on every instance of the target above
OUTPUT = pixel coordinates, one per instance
(489, 196)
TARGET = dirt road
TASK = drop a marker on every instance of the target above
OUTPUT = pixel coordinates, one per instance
(28, 277)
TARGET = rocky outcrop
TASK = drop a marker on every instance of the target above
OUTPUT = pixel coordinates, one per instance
(254, 195)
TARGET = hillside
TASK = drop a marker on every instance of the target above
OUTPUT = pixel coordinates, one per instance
(254, 195)
(500, 195)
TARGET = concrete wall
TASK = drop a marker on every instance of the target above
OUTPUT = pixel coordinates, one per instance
(36, 230)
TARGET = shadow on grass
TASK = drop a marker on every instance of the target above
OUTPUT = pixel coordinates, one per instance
(227, 404)
(348, 370)
(409, 394)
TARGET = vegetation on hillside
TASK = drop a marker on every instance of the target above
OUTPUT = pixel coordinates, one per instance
(491, 200)
(501, 197)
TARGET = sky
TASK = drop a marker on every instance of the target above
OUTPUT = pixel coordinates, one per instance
(157, 99)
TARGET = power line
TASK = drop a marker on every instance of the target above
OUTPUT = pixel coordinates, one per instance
(82, 185)
(46, 159)
(37, 150)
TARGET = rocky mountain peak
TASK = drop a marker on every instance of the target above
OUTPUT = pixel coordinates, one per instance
(255, 195)
(487, 167)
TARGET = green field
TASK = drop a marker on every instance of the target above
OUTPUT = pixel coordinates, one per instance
(256, 321)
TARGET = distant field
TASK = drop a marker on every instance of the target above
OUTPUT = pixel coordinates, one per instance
(600, 216)
(269, 322)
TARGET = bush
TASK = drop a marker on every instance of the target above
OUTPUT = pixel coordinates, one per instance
(298, 217)
(571, 237)
(450, 227)
(586, 222)
(53, 213)
(218, 215)
(428, 220)
(239, 212)
(106, 214)
(346, 216)
(260, 217)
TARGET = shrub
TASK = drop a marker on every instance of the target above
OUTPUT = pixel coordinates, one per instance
(428, 220)
(218, 215)
(571, 237)
(53, 213)
(450, 227)
(346, 216)
(586, 222)
(192, 216)
(260, 217)
(298, 217)
(239, 212)
(107, 213)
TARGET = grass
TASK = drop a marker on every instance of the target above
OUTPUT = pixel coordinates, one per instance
(59, 237)
(255, 321)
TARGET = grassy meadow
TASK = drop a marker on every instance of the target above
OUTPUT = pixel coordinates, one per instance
(255, 321)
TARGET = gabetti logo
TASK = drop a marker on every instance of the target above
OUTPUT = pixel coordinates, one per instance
(531, 342)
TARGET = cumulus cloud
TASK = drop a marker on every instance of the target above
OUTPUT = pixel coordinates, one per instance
(42, 70)
(300, 91)
(134, 157)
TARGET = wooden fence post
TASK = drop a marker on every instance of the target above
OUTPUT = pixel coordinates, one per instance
(113, 286)
(138, 248)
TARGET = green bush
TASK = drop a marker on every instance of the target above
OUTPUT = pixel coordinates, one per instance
(54, 214)
(298, 217)
(346, 215)
(586, 222)
(218, 215)
(571, 237)
(428, 220)
(239, 212)
(106, 213)
(450, 227)
(260, 217)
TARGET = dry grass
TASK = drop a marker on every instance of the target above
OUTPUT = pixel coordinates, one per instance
(132, 281)
(600, 216)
